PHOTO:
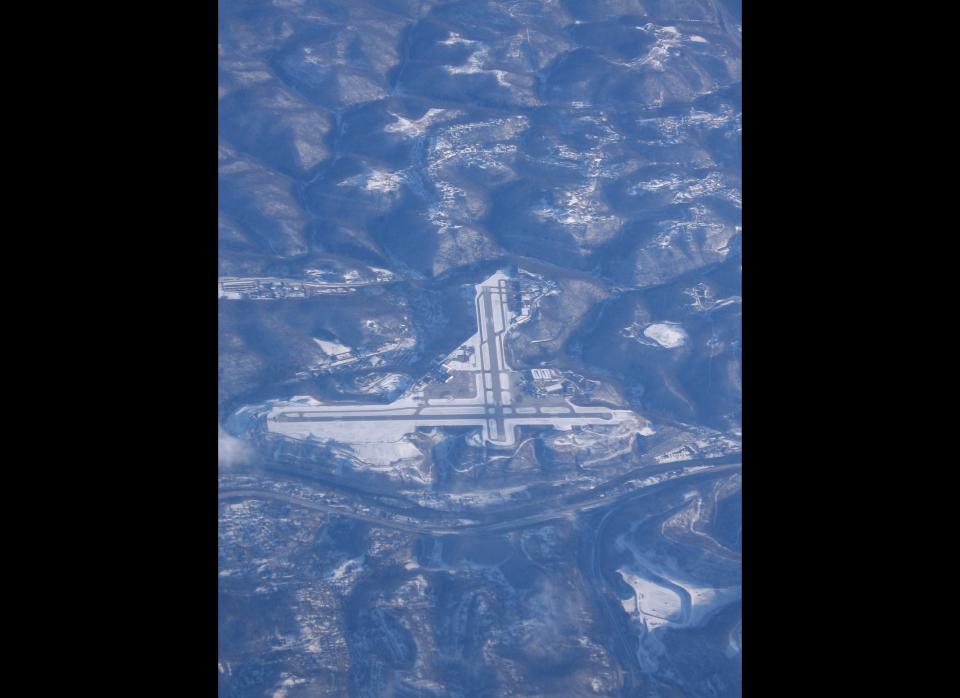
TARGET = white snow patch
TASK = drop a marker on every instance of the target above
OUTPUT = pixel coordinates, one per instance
(305, 400)
(375, 180)
(231, 451)
(657, 604)
(347, 568)
(383, 181)
(660, 603)
(331, 348)
(733, 642)
(705, 600)
(667, 334)
(286, 685)
(385, 453)
(455, 39)
(666, 39)
(415, 127)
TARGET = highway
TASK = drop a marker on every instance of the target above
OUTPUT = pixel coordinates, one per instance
(518, 518)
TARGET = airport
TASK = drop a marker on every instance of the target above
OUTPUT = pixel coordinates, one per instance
(482, 391)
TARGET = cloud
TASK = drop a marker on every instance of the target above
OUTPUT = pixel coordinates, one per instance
(231, 451)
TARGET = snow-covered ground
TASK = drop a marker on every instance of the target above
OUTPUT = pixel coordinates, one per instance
(331, 348)
(665, 595)
(657, 604)
(669, 335)
(417, 127)
(376, 181)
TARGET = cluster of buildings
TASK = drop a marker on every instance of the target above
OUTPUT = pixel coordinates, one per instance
(546, 380)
